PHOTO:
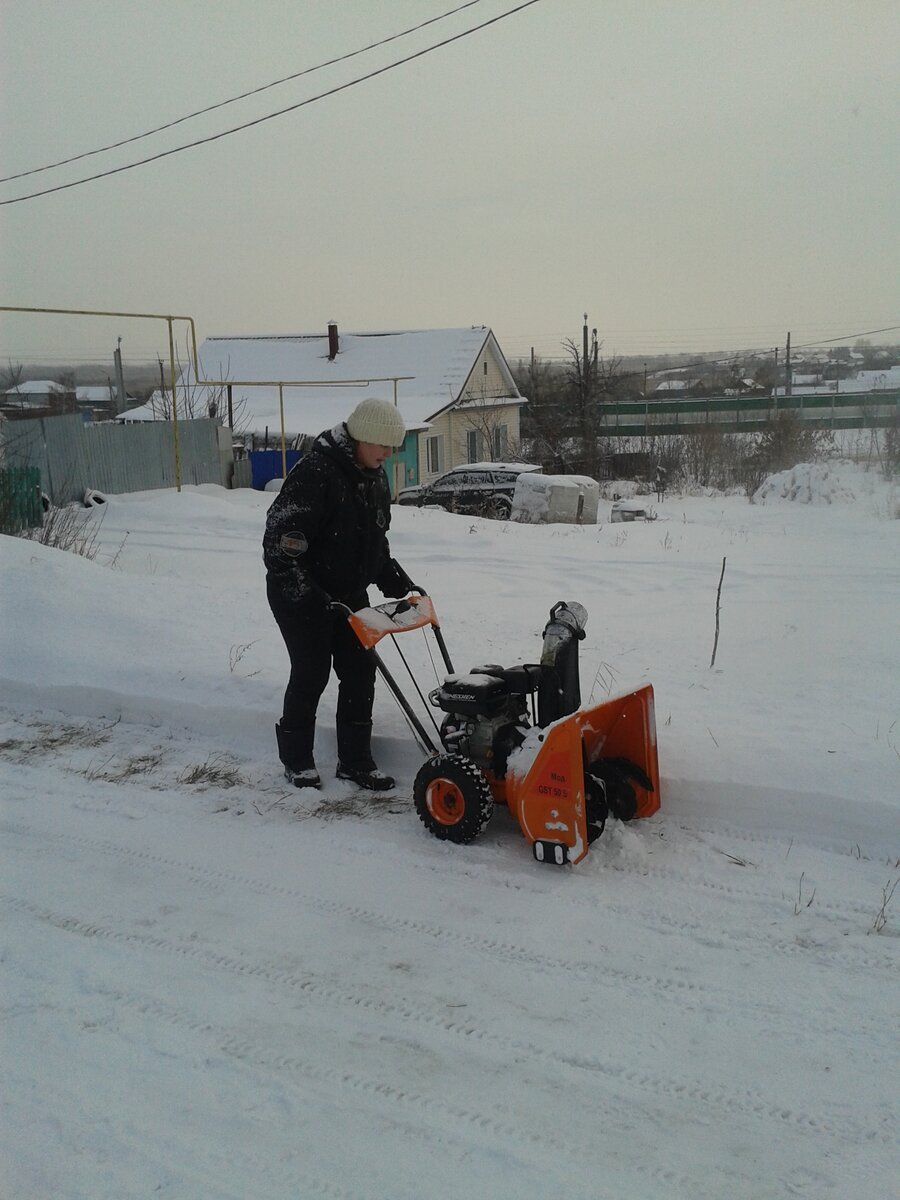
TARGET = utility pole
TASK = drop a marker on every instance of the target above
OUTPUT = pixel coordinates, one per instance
(787, 367)
(584, 356)
(121, 402)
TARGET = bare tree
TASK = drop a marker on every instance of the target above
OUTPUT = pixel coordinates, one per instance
(66, 398)
(199, 400)
(593, 381)
(546, 418)
(485, 417)
(10, 376)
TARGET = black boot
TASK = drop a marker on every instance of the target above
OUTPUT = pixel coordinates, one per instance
(355, 760)
(295, 749)
(366, 777)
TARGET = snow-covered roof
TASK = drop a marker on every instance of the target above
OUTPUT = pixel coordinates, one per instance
(871, 381)
(35, 387)
(191, 402)
(521, 467)
(887, 379)
(438, 362)
(94, 394)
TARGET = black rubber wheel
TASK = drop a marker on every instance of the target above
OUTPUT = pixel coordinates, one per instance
(453, 798)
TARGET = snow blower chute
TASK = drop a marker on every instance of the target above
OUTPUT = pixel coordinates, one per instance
(518, 736)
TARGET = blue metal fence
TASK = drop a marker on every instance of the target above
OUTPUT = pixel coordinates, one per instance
(266, 465)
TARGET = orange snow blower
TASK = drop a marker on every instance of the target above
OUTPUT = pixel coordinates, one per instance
(562, 770)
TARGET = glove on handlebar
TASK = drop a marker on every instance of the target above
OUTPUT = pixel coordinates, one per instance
(393, 581)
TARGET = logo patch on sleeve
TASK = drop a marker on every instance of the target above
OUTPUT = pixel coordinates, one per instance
(294, 543)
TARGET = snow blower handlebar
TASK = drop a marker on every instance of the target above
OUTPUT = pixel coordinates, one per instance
(397, 616)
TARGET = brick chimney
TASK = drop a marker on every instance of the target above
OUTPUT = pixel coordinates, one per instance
(332, 341)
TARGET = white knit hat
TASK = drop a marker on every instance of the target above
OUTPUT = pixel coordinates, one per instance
(376, 421)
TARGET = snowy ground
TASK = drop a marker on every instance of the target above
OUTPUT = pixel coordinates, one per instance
(214, 987)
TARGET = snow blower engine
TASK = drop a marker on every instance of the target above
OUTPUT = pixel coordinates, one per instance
(518, 736)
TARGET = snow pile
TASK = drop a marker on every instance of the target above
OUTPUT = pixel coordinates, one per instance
(622, 489)
(841, 482)
(555, 499)
(632, 510)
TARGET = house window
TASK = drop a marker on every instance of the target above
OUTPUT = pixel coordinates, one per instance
(472, 445)
(484, 365)
(434, 453)
(500, 441)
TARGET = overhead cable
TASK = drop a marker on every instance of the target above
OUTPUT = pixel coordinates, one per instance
(279, 113)
(243, 96)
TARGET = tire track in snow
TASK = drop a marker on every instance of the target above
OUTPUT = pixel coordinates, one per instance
(492, 1126)
(748, 938)
(672, 874)
(756, 1105)
(256, 1055)
(269, 1179)
(864, 960)
(779, 841)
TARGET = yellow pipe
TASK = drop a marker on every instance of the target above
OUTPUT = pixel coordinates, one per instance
(97, 312)
(300, 382)
(174, 407)
(94, 312)
(194, 344)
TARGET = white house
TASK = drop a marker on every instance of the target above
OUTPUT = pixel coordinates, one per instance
(33, 394)
(453, 387)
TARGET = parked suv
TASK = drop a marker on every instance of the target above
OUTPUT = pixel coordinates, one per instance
(483, 489)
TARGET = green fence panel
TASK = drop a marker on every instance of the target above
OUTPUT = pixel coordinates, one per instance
(20, 499)
(849, 410)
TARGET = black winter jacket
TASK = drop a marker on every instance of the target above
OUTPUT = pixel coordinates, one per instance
(326, 531)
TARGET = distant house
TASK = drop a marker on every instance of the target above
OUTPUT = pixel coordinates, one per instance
(100, 401)
(885, 380)
(35, 398)
(46, 398)
(453, 387)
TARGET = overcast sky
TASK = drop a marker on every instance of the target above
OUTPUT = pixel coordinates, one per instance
(694, 174)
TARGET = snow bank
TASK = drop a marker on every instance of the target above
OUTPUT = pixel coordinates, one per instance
(824, 483)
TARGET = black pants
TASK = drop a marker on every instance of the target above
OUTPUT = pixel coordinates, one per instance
(316, 640)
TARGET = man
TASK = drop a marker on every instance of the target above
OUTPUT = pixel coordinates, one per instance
(326, 540)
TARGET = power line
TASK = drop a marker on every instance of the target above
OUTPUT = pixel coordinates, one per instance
(847, 336)
(708, 362)
(243, 96)
(759, 352)
(280, 113)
